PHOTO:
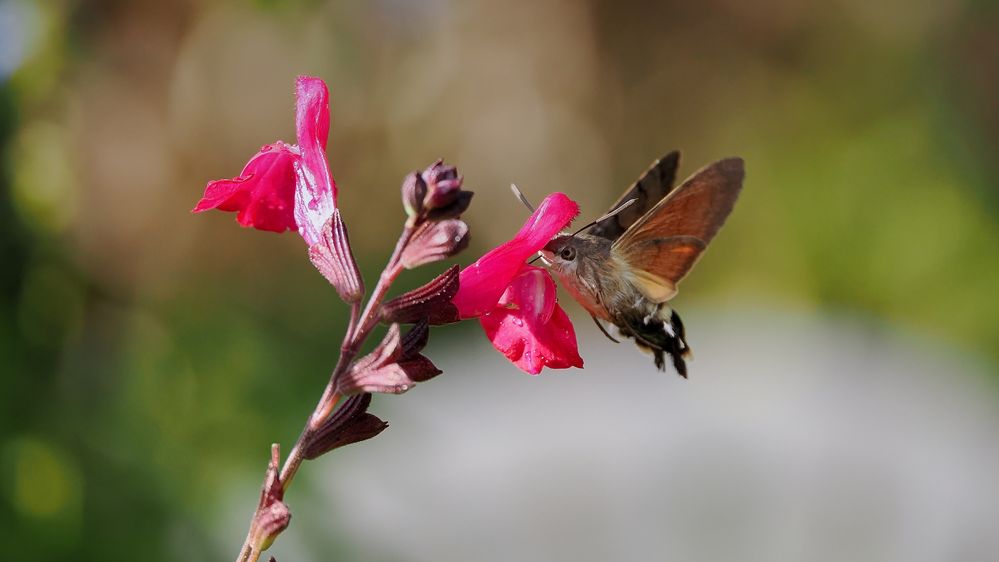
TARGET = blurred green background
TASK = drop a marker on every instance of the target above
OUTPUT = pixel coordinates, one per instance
(148, 356)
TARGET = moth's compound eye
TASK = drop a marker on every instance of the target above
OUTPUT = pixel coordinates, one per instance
(568, 253)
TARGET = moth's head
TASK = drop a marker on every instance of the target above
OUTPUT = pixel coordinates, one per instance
(564, 252)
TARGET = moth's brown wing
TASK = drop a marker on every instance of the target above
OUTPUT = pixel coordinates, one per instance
(662, 246)
(654, 184)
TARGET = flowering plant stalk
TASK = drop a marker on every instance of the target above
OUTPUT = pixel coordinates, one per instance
(340, 416)
(290, 187)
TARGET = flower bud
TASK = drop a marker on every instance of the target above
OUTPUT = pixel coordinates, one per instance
(431, 302)
(443, 184)
(434, 241)
(444, 197)
(414, 190)
(418, 369)
(393, 367)
(350, 423)
(458, 205)
(270, 522)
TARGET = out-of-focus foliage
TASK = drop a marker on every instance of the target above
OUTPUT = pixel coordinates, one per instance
(147, 355)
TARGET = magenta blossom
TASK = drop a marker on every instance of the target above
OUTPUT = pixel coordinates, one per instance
(517, 303)
(285, 186)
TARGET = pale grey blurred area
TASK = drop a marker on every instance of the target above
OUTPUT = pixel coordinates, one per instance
(797, 438)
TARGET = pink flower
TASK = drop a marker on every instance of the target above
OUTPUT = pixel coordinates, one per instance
(263, 193)
(529, 327)
(284, 186)
(516, 303)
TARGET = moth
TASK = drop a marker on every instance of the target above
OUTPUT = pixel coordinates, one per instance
(625, 267)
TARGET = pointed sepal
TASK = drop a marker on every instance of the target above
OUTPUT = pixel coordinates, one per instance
(350, 423)
(431, 302)
(434, 241)
(333, 258)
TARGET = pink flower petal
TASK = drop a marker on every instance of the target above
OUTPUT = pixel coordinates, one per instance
(483, 282)
(263, 193)
(315, 197)
(529, 327)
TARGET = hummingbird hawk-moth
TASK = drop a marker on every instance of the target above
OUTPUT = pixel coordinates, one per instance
(626, 266)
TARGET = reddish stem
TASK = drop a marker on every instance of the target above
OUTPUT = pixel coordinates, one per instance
(360, 327)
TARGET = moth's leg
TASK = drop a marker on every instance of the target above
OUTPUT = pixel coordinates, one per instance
(602, 329)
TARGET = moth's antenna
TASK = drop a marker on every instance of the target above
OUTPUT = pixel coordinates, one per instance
(520, 195)
(622, 207)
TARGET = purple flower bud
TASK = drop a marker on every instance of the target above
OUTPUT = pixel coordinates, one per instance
(270, 522)
(431, 302)
(393, 367)
(434, 241)
(419, 368)
(443, 193)
(439, 171)
(454, 209)
(394, 378)
(350, 423)
(443, 187)
(333, 258)
(414, 190)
